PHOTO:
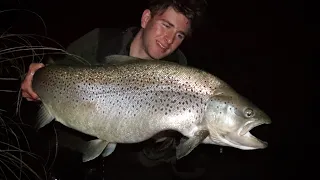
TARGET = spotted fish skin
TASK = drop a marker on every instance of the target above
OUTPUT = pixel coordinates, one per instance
(130, 102)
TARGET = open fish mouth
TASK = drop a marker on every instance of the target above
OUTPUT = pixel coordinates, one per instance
(243, 139)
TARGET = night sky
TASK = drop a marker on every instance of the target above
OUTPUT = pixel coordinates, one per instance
(255, 46)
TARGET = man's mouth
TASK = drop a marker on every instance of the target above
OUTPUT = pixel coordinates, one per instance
(163, 47)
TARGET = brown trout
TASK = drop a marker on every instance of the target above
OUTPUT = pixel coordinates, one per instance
(130, 100)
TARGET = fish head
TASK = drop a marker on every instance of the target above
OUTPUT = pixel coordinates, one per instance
(230, 118)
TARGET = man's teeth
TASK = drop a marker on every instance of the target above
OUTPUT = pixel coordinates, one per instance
(161, 46)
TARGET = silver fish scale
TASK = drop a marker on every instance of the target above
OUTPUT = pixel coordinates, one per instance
(131, 102)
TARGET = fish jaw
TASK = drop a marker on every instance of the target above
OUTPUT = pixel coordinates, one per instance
(229, 121)
(243, 139)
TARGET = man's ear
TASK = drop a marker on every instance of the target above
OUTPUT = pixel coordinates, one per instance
(146, 16)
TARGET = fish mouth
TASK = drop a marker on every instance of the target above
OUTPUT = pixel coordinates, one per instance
(244, 140)
(248, 127)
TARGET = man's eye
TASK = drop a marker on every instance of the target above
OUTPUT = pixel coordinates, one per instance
(166, 25)
(180, 36)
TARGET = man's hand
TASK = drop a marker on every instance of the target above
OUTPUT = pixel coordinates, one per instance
(26, 87)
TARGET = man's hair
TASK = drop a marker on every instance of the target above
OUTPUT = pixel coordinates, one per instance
(192, 9)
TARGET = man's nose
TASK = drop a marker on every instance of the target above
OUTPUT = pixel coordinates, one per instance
(169, 37)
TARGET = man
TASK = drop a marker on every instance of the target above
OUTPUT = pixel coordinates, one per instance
(164, 26)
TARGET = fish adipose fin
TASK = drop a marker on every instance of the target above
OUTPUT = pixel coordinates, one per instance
(43, 117)
(184, 148)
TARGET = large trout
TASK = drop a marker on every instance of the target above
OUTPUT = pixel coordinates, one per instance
(130, 100)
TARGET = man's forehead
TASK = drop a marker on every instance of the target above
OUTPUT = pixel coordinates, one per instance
(176, 18)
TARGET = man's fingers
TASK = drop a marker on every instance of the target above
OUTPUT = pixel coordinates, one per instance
(30, 96)
(28, 99)
(34, 95)
(32, 69)
(26, 85)
(36, 66)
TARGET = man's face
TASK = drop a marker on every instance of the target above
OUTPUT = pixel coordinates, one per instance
(163, 33)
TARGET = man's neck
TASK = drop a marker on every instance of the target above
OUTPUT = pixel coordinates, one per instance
(136, 47)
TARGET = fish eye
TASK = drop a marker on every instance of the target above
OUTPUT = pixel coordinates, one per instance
(249, 112)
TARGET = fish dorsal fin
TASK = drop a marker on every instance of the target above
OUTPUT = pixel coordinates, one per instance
(120, 59)
(49, 61)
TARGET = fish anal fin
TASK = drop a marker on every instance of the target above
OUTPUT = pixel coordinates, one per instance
(43, 117)
(109, 149)
(93, 149)
(185, 147)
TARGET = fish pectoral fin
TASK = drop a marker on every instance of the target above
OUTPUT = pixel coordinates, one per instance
(43, 117)
(109, 149)
(93, 149)
(185, 147)
(89, 149)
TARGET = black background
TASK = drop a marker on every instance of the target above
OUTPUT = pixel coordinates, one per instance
(258, 47)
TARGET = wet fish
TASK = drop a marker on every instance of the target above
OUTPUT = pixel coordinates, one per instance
(130, 100)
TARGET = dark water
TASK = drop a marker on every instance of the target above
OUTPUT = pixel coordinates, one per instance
(250, 45)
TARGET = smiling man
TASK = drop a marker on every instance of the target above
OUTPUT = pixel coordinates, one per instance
(165, 24)
(161, 34)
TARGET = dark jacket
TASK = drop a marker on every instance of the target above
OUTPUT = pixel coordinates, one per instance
(101, 42)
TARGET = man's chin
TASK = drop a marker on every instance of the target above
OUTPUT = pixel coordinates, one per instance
(158, 56)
